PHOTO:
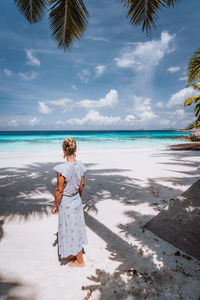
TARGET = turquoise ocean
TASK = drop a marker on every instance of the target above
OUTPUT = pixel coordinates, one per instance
(20, 141)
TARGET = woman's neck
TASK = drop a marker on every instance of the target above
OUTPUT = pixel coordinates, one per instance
(71, 158)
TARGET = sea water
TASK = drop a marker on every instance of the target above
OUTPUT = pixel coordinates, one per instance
(20, 141)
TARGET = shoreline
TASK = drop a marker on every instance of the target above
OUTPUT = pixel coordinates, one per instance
(19, 145)
(59, 153)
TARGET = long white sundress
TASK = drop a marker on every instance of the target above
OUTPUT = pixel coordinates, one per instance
(71, 222)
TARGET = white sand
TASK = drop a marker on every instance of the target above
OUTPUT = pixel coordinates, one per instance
(124, 189)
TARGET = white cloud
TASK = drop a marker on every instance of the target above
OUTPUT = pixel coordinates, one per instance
(44, 109)
(13, 123)
(109, 100)
(8, 72)
(179, 97)
(100, 69)
(130, 120)
(63, 102)
(28, 76)
(74, 87)
(178, 118)
(173, 69)
(147, 55)
(182, 117)
(94, 38)
(159, 104)
(84, 75)
(142, 108)
(179, 113)
(67, 104)
(59, 123)
(93, 117)
(34, 121)
(164, 123)
(183, 78)
(32, 60)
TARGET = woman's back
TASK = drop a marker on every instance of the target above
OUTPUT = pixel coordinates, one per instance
(70, 183)
(73, 173)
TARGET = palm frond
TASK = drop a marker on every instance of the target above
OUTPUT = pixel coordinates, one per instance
(194, 66)
(33, 10)
(196, 86)
(197, 109)
(189, 101)
(144, 12)
(68, 21)
(171, 2)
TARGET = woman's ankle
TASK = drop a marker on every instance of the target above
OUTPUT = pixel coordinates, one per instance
(80, 261)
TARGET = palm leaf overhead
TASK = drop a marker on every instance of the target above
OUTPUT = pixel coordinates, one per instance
(197, 109)
(189, 101)
(171, 2)
(68, 21)
(33, 10)
(195, 99)
(146, 12)
(196, 86)
(69, 18)
(194, 67)
(194, 74)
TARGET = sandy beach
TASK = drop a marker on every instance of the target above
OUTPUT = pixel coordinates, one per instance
(113, 85)
(124, 190)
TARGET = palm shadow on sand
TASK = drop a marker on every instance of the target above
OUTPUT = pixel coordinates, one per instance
(31, 190)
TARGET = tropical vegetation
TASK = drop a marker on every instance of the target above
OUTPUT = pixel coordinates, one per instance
(194, 75)
(68, 19)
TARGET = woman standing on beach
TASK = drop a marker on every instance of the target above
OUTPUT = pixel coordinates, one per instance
(70, 183)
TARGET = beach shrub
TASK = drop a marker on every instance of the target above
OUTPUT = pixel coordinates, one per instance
(194, 75)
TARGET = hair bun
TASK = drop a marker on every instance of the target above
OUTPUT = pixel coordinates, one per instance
(69, 146)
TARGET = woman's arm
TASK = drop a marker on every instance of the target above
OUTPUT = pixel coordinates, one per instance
(82, 185)
(58, 192)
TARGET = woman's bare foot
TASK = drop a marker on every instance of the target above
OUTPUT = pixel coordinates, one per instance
(76, 264)
(70, 258)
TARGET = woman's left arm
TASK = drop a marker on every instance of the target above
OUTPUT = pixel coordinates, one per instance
(58, 192)
(82, 186)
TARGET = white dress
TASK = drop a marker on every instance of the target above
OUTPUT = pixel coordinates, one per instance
(71, 222)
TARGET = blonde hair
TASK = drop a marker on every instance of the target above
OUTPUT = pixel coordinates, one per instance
(69, 146)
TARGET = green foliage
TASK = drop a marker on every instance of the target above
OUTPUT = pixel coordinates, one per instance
(146, 12)
(68, 21)
(197, 109)
(197, 123)
(196, 86)
(194, 67)
(33, 10)
(189, 101)
(194, 125)
(69, 18)
(195, 99)
(171, 2)
(143, 12)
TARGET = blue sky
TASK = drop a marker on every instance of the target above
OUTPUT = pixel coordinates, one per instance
(115, 77)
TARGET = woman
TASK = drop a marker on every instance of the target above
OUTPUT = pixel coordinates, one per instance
(70, 183)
